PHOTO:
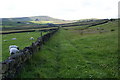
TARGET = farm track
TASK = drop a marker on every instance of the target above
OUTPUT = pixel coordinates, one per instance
(56, 52)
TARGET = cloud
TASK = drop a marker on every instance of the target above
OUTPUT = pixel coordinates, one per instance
(63, 9)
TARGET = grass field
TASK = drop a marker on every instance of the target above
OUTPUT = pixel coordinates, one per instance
(41, 22)
(10, 24)
(14, 24)
(70, 54)
(22, 40)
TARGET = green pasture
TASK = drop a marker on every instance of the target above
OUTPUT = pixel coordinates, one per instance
(70, 54)
(10, 24)
(6, 24)
(22, 40)
(53, 22)
(42, 22)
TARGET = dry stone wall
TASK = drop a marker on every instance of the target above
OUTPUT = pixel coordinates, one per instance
(14, 63)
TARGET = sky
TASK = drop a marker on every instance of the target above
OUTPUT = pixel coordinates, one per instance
(61, 9)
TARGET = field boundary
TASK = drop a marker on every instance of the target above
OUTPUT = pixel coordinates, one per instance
(31, 30)
(87, 25)
(13, 65)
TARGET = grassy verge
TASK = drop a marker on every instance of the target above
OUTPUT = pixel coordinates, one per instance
(68, 54)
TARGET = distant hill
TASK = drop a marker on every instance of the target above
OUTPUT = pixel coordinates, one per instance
(34, 18)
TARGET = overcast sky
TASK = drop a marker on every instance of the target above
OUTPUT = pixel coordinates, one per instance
(61, 9)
